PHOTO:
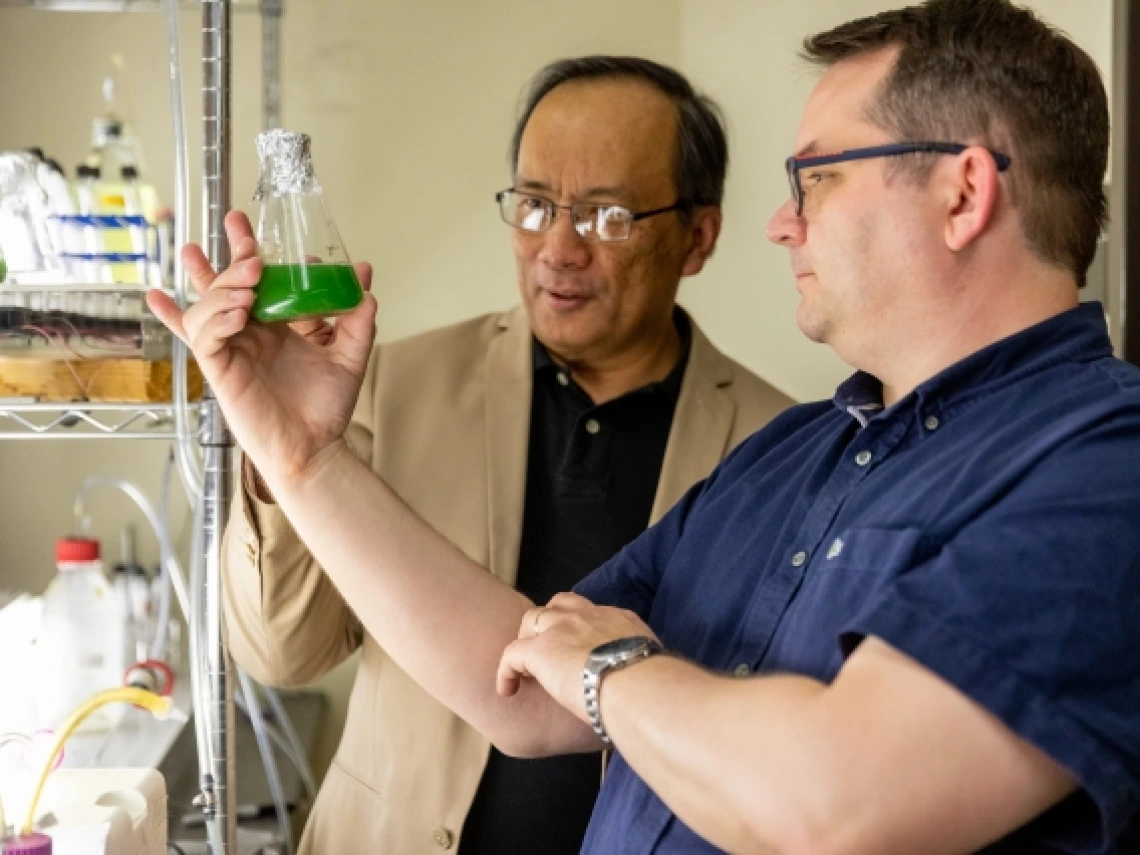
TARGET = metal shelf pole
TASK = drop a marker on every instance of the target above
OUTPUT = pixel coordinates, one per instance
(216, 440)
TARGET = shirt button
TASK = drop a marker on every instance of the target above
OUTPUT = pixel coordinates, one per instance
(798, 559)
(563, 379)
(863, 457)
(592, 426)
(443, 837)
(932, 423)
(742, 670)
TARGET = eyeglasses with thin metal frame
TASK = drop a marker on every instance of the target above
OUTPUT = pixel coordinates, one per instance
(593, 221)
(794, 164)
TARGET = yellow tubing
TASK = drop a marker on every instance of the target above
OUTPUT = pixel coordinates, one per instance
(157, 704)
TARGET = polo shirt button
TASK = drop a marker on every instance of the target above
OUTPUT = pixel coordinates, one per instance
(863, 457)
(592, 426)
(563, 379)
(799, 559)
(742, 670)
(443, 837)
(932, 423)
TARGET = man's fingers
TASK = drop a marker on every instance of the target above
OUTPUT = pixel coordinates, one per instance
(531, 623)
(364, 274)
(355, 335)
(198, 268)
(216, 303)
(243, 248)
(244, 274)
(212, 335)
(569, 602)
(240, 235)
(167, 311)
(512, 669)
(314, 328)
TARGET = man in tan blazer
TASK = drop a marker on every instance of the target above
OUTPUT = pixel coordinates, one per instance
(543, 437)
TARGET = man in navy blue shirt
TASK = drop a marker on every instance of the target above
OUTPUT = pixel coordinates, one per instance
(903, 621)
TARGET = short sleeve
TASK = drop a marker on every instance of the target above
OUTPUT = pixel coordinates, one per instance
(1032, 609)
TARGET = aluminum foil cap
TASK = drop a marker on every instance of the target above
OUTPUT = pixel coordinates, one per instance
(28, 844)
(286, 164)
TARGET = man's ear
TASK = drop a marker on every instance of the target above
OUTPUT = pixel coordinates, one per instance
(704, 230)
(970, 190)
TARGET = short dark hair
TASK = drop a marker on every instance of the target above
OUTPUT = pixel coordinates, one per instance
(701, 159)
(990, 72)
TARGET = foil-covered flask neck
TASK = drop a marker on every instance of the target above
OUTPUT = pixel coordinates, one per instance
(286, 163)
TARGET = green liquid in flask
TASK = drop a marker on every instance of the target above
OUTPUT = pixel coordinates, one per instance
(291, 292)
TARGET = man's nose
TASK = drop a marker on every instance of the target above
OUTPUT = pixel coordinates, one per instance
(787, 228)
(563, 246)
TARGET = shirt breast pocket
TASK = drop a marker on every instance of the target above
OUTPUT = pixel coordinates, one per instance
(870, 552)
(850, 569)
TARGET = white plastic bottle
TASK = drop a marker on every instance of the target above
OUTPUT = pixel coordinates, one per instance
(81, 646)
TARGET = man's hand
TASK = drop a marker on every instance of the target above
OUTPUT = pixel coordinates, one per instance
(287, 391)
(554, 642)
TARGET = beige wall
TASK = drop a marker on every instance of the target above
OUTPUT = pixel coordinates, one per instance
(410, 106)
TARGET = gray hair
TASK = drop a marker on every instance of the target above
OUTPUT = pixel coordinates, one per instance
(701, 160)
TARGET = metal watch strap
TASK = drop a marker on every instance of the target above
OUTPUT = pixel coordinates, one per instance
(597, 668)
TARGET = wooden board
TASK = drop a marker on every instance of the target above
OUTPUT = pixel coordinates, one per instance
(126, 380)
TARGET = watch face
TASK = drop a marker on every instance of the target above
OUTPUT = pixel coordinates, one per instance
(620, 647)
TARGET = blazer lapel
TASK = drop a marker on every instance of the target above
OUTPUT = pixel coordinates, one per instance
(702, 424)
(509, 381)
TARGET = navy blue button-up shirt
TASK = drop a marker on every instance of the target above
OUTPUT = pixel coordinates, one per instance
(987, 525)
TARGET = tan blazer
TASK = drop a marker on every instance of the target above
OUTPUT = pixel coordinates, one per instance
(444, 419)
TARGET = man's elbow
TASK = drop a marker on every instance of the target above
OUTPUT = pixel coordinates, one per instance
(797, 826)
(787, 837)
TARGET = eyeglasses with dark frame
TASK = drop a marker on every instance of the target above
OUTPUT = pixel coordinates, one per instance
(593, 221)
(794, 164)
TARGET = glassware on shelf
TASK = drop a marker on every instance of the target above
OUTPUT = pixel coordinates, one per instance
(306, 273)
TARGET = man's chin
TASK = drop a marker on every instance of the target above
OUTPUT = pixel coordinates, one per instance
(567, 340)
(811, 325)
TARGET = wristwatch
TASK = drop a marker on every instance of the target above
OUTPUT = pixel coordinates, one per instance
(611, 656)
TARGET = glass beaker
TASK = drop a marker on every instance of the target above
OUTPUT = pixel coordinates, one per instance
(306, 272)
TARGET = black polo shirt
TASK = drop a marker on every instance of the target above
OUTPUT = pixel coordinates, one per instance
(592, 473)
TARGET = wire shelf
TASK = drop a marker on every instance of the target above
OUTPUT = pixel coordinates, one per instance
(87, 420)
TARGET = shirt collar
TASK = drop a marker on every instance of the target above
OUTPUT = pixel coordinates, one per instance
(671, 385)
(1075, 335)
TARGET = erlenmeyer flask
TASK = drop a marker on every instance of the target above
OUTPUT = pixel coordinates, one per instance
(306, 271)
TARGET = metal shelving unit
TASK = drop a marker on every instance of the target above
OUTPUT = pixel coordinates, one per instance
(21, 420)
(82, 420)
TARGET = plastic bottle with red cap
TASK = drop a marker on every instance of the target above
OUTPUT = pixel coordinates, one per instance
(80, 645)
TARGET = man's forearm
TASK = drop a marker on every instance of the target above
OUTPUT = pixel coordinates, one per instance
(692, 737)
(440, 616)
(888, 759)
